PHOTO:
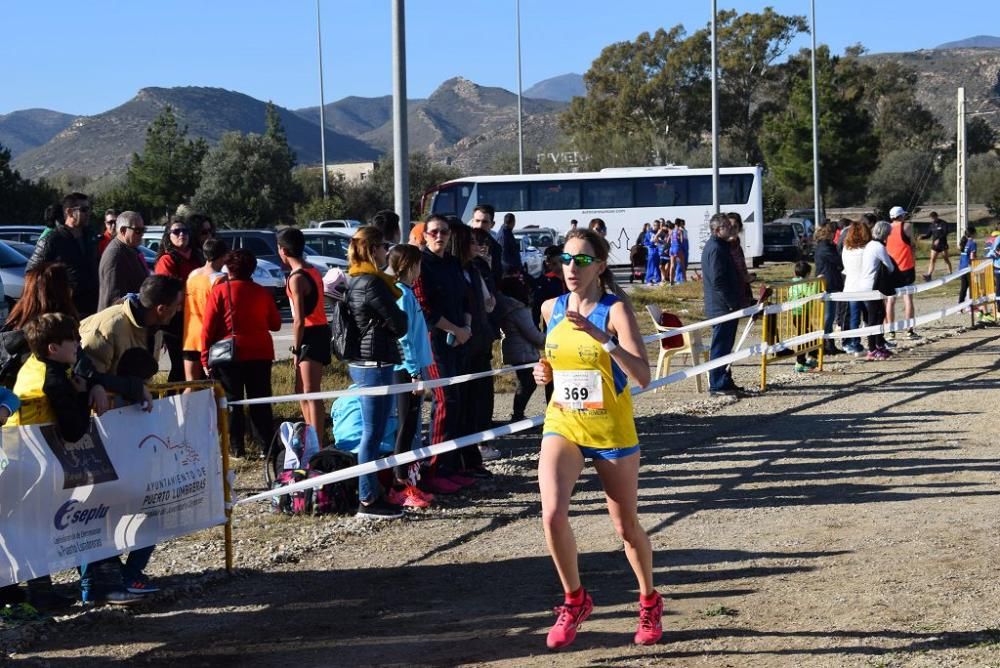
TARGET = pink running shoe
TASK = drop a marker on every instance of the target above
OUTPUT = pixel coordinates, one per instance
(462, 480)
(439, 485)
(406, 499)
(420, 494)
(650, 627)
(570, 617)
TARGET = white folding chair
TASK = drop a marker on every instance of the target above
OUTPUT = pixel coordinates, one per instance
(692, 347)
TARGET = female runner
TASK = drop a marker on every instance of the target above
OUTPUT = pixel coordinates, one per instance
(592, 349)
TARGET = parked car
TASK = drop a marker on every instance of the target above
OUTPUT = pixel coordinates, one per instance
(24, 233)
(12, 265)
(532, 259)
(784, 240)
(340, 223)
(539, 237)
(263, 244)
(329, 242)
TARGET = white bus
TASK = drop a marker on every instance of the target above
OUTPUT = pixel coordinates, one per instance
(624, 198)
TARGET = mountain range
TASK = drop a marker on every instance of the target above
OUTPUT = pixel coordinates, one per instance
(461, 122)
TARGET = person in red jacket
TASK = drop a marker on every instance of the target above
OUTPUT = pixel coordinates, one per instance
(240, 308)
(177, 258)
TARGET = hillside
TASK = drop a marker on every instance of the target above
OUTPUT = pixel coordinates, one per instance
(941, 71)
(26, 129)
(102, 145)
(977, 42)
(562, 88)
(460, 121)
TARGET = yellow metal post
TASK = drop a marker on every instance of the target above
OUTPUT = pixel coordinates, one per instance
(223, 420)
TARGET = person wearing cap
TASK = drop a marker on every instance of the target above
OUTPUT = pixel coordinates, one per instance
(901, 250)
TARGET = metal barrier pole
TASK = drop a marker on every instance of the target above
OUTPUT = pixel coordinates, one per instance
(765, 338)
(227, 491)
(821, 307)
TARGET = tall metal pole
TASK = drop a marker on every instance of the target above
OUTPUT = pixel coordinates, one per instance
(715, 115)
(961, 182)
(818, 217)
(322, 103)
(520, 133)
(400, 151)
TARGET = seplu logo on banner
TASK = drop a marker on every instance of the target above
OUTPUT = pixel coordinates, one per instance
(66, 516)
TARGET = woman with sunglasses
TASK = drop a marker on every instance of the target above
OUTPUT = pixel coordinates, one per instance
(177, 258)
(592, 349)
(373, 354)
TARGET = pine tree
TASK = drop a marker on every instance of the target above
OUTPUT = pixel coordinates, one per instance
(168, 171)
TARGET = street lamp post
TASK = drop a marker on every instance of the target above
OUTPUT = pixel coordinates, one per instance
(322, 103)
(400, 155)
(520, 132)
(715, 114)
(817, 199)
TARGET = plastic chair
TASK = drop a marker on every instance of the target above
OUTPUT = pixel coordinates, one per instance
(689, 344)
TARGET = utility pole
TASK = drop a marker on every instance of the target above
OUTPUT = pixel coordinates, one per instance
(817, 198)
(520, 132)
(322, 103)
(961, 182)
(715, 114)
(400, 150)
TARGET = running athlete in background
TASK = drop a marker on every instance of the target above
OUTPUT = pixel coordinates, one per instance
(937, 232)
(592, 349)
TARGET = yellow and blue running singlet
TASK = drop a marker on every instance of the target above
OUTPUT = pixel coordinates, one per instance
(591, 402)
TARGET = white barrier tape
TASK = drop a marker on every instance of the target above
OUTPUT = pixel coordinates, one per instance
(900, 325)
(704, 367)
(790, 306)
(381, 390)
(870, 295)
(398, 460)
(793, 342)
(702, 324)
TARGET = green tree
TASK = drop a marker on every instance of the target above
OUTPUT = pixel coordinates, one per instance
(905, 178)
(22, 201)
(848, 146)
(653, 94)
(425, 173)
(979, 136)
(246, 182)
(168, 171)
(775, 201)
(890, 95)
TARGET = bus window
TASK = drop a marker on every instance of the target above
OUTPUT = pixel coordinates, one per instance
(555, 195)
(444, 202)
(660, 191)
(611, 194)
(451, 200)
(504, 196)
(700, 191)
(735, 188)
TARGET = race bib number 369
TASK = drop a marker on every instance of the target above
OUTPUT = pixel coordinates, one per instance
(578, 390)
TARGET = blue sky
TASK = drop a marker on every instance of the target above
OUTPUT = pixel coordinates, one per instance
(87, 57)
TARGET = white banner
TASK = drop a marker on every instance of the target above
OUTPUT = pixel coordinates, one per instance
(135, 480)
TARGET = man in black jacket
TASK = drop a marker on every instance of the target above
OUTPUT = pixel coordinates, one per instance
(72, 244)
(482, 218)
(722, 295)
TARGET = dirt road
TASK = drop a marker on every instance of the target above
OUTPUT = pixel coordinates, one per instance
(841, 519)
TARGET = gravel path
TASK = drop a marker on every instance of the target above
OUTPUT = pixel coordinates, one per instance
(843, 518)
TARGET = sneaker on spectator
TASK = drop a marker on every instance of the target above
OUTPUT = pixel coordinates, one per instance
(927, 277)
(380, 509)
(891, 336)
(873, 356)
(802, 368)
(650, 623)
(890, 344)
(461, 479)
(440, 485)
(141, 585)
(812, 362)
(913, 336)
(420, 494)
(489, 453)
(406, 498)
(93, 597)
(570, 617)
